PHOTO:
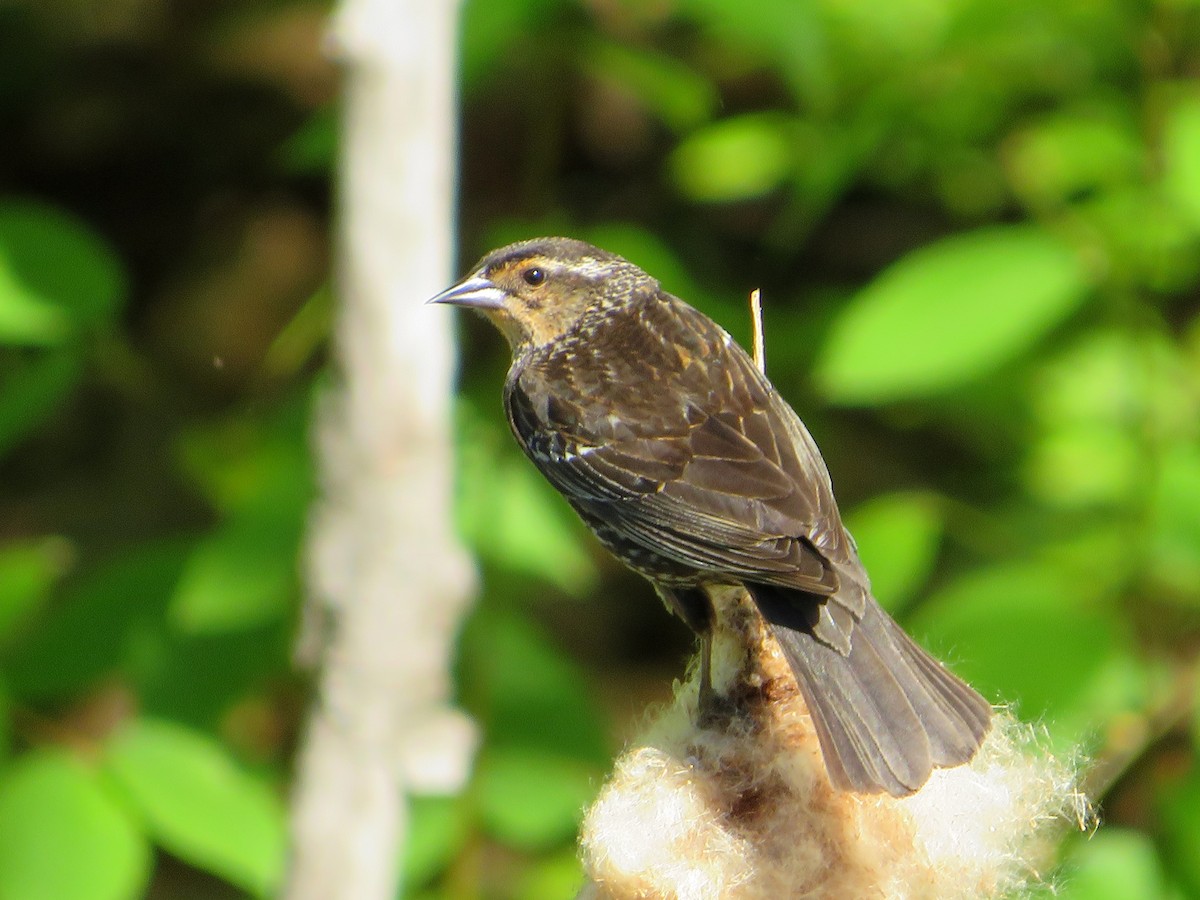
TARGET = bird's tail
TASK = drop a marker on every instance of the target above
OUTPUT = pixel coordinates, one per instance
(887, 713)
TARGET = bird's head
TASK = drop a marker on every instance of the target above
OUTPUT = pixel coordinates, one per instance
(537, 291)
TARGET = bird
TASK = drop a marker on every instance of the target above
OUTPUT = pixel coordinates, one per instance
(673, 447)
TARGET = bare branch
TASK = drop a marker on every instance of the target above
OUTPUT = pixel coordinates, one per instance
(384, 569)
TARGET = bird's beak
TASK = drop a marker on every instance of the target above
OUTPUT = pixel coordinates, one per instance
(474, 291)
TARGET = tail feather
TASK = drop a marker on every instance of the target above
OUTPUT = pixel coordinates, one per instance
(886, 713)
(967, 716)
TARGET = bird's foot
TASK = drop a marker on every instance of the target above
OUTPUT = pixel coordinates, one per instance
(713, 710)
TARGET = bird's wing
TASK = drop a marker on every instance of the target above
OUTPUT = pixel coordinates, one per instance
(727, 508)
(732, 485)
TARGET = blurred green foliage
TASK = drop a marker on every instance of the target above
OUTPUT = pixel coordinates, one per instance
(976, 226)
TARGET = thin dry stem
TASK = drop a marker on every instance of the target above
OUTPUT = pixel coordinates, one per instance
(760, 348)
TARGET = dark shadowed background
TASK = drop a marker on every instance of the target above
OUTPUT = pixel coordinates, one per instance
(976, 226)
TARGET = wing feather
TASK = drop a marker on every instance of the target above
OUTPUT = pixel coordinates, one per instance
(729, 484)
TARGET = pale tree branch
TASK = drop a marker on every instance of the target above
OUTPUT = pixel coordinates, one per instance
(385, 571)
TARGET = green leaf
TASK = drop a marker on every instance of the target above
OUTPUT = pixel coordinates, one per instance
(781, 35)
(530, 800)
(1070, 153)
(1023, 633)
(6, 732)
(1181, 155)
(438, 827)
(27, 572)
(1086, 399)
(1148, 241)
(1179, 814)
(897, 537)
(62, 835)
(677, 94)
(302, 338)
(312, 149)
(242, 575)
(56, 276)
(948, 313)
(488, 30)
(876, 33)
(553, 876)
(1098, 379)
(1174, 529)
(1115, 864)
(32, 389)
(526, 691)
(254, 460)
(110, 615)
(197, 678)
(199, 804)
(735, 159)
(1085, 466)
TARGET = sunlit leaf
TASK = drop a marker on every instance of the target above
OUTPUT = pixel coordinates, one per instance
(1024, 633)
(437, 829)
(897, 537)
(1073, 152)
(735, 159)
(1147, 239)
(1179, 812)
(56, 276)
(28, 569)
(878, 32)
(532, 800)
(1087, 400)
(554, 876)
(1175, 527)
(1114, 864)
(1085, 466)
(1096, 379)
(199, 804)
(62, 835)
(950, 312)
(1181, 154)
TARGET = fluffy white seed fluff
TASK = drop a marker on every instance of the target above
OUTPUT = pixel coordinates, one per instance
(743, 809)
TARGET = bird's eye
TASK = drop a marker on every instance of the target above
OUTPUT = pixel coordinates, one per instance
(533, 277)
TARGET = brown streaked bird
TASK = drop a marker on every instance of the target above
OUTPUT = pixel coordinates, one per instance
(678, 453)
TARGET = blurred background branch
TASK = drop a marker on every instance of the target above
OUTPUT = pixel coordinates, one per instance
(388, 577)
